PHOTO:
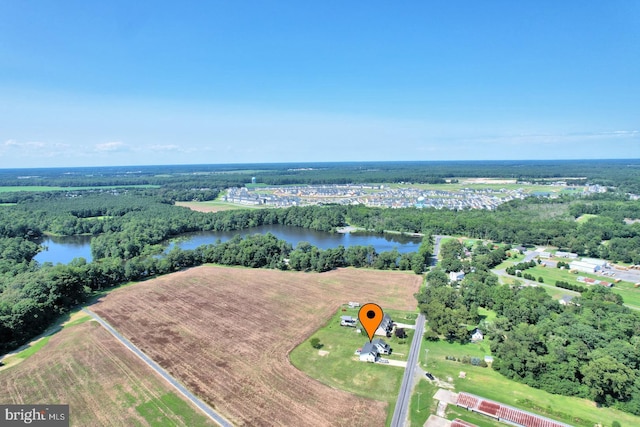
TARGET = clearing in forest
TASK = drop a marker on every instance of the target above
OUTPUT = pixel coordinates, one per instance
(226, 334)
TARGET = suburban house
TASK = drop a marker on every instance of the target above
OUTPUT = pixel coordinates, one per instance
(347, 321)
(369, 353)
(456, 276)
(566, 299)
(520, 249)
(381, 346)
(477, 335)
(386, 326)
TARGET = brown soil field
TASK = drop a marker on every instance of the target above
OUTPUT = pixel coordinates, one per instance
(226, 334)
(104, 383)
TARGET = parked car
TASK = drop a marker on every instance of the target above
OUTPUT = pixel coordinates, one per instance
(428, 375)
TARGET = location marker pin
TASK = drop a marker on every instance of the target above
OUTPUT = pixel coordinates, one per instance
(370, 316)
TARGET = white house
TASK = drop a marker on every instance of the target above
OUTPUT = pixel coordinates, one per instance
(477, 335)
(369, 353)
(456, 276)
(386, 326)
(354, 304)
(381, 346)
(566, 299)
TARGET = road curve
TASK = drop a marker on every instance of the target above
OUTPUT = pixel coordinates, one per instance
(404, 397)
(164, 374)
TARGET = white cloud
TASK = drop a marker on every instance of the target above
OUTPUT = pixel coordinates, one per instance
(165, 147)
(111, 146)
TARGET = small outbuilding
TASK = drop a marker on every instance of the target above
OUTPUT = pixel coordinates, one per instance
(348, 321)
(456, 276)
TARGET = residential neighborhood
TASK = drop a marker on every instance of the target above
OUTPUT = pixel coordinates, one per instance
(379, 195)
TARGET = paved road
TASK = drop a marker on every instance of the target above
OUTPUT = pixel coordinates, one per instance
(402, 404)
(436, 249)
(164, 374)
(404, 397)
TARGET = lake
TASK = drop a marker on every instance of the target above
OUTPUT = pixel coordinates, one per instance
(65, 249)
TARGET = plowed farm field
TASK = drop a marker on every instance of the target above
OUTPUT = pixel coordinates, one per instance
(226, 333)
(103, 383)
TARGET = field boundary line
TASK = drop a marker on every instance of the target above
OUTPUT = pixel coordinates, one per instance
(210, 412)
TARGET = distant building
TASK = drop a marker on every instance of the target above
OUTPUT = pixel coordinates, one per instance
(456, 276)
(599, 262)
(585, 267)
(477, 335)
(354, 304)
(566, 299)
(571, 255)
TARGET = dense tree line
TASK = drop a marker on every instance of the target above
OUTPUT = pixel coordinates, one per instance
(588, 349)
(452, 309)
(624, 174)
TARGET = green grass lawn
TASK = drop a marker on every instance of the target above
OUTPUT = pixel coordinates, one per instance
(509, 262)
(489, 316)
(489, 384)
(341, 368)
(585, 217)
(422, 403)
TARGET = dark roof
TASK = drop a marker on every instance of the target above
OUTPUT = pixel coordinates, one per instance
(368, 348)
(380, 341)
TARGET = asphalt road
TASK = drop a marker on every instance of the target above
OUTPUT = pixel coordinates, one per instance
(402, 404)
(164, 374)
(404, 397)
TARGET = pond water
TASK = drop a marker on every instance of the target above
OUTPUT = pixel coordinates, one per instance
(65, 249)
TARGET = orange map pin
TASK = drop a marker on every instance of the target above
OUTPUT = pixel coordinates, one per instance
(370, 316)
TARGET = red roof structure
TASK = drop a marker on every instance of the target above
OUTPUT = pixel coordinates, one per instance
(504, 412)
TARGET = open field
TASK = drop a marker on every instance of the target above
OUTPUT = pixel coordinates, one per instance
(216, 206)
(490, 384)
(8, 189)
(103, 382)
(226, 334)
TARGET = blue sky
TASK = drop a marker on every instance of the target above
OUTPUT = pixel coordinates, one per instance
(116, 83)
